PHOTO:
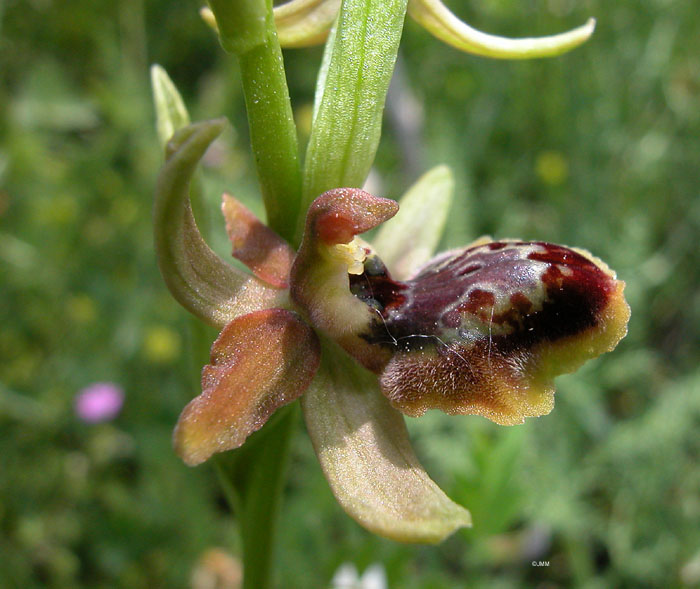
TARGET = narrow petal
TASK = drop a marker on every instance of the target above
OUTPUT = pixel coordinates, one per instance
(256, 245)
(442, 23)
(365, 453)
(200, 281)
(259, 362)
(485, 330)
(301, 23)
(408, 240)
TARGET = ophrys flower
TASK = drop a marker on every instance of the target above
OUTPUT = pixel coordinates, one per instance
(481, 330)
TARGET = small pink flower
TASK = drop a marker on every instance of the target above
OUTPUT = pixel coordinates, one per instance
(100, 401)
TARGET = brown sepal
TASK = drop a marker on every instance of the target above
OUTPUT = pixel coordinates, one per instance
(259, 362)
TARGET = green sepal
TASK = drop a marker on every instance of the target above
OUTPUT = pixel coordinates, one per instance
(410, 238)
(366, 456)
(198, 279)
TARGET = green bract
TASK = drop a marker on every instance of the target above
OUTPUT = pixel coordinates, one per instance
(354, 79)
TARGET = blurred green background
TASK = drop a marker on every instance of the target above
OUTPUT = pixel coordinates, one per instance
(598, 149)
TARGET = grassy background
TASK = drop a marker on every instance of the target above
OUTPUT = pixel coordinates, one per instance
(599, 149)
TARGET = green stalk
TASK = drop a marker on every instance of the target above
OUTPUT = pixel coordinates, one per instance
(247, 28)
(255, 479)
(252, 479)
(273, 135)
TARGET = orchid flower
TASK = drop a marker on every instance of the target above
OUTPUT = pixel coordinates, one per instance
(362, 334)
(482, 330)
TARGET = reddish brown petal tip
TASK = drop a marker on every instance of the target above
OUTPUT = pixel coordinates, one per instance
(485, 330)
(256, 245)
(338, 215)
(259, 362)
(328, 252)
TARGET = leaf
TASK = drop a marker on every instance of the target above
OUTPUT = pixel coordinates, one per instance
(348, 114)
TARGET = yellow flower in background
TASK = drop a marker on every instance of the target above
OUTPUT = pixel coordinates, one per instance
(82, 309)
(552, 167)
(161, 345)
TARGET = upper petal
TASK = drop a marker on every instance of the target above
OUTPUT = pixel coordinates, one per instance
(259, 362)
(256, 245)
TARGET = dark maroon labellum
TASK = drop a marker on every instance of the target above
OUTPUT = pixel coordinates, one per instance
(475, 325)
(513, 293)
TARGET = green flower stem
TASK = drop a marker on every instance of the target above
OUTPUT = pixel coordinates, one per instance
(252, 479)
(242, 24)
(273, 135)
(247, 28)
(257, 475)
